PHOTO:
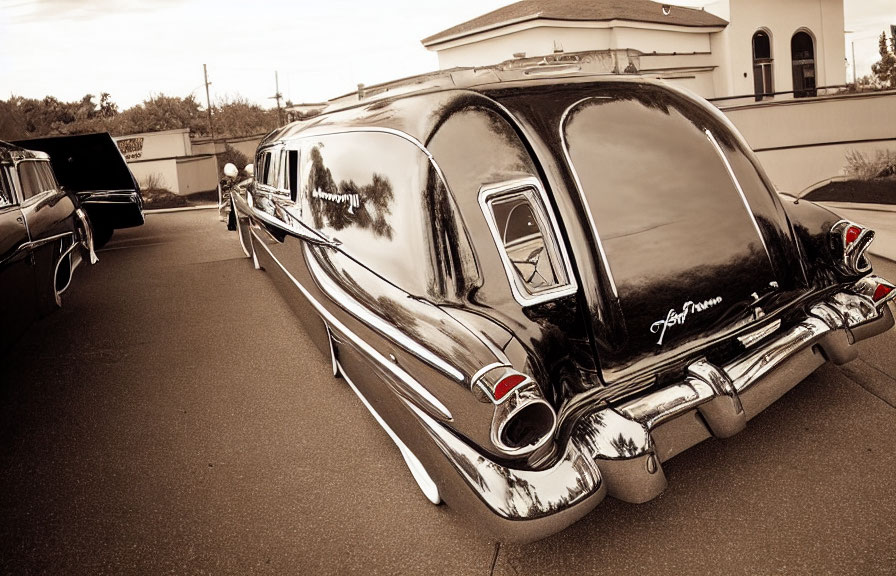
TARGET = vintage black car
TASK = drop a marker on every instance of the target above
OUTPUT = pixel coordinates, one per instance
(91, 166)
(545, 287)
(44, 236)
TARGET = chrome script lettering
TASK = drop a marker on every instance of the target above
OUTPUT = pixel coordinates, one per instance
(674, 318)
(353, 200)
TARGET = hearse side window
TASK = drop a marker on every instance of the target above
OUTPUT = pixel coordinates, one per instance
(36, 178)
(260, 167)
(292, 174)
(6, 195)
(365, 189)
(520, 226)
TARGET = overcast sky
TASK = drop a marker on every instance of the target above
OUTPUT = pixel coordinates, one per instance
(137, 48)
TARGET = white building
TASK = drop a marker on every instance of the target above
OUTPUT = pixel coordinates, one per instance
(733, 48)
(166, 160)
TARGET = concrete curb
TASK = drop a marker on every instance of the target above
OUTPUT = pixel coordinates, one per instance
(182, 209)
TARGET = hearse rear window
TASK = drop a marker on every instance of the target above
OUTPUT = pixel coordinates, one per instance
(521, 228)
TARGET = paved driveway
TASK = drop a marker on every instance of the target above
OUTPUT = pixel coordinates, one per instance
(173, 418)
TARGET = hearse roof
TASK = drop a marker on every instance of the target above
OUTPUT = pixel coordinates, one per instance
(416, 106)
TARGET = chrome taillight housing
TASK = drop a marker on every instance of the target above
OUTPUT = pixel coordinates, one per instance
(848, 243)
(879, 290)
(523, 420)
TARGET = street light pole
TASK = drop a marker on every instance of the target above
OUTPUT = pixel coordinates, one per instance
(208, 103)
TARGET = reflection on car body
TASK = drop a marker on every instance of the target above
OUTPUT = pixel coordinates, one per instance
(543, 288)
(44, 236)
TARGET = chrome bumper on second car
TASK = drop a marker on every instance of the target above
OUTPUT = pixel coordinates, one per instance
(619, 451)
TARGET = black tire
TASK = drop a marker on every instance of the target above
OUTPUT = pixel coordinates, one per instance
(101, 235)
(231, 218)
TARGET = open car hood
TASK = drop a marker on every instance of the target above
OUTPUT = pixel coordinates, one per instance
(86, 163)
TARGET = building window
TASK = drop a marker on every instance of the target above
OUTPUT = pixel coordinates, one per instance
(802, 53)
(762, 65)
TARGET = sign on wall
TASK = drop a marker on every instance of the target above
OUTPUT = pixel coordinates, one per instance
(131, 148)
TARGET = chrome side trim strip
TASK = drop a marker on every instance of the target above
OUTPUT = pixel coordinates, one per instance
(583, 199)
(740, 191)
(417, 389)
(87, 240)
(67, 254)
(29, 246)
(344, 300)
(44, 241)
(421, 476)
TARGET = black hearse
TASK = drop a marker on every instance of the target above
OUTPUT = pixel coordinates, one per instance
(545, 287)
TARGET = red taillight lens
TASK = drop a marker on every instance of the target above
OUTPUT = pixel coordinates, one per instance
(881, 292)
(507, 384)
(852, 234)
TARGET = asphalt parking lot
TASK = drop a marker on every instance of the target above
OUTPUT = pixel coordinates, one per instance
(173, 418)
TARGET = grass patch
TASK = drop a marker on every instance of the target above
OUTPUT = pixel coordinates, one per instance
(876, 191)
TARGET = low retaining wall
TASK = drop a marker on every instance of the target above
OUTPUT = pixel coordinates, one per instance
(802, 142)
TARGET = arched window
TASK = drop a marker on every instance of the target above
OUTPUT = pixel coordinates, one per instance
(802, 54)
(762, 65)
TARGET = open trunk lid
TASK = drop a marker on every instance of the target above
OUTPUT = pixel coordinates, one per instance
(91, 166)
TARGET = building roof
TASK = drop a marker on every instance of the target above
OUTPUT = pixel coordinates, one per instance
(579, 11)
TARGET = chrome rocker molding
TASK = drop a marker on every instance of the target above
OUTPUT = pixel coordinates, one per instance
(618, 451)
(421, 476)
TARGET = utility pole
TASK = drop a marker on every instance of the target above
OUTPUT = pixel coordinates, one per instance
(277, 96)
(208, 102)
(854, 64)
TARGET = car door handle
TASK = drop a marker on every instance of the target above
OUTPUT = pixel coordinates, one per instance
(20, 220)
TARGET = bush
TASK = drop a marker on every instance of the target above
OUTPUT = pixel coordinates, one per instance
(152, 182)
(863, 167)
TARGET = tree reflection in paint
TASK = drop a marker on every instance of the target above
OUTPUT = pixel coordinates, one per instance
(337, 212)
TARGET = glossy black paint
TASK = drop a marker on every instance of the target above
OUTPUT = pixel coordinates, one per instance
(37, 226)
(397, 250)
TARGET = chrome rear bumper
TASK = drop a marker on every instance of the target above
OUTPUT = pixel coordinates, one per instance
(619, 451)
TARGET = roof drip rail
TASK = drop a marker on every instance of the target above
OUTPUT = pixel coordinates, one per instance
(550, 64)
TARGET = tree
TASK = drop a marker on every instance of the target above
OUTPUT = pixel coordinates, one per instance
(885, 68)
(237, 117)
(108, 108)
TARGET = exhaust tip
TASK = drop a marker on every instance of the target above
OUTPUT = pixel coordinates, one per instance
(528, 427)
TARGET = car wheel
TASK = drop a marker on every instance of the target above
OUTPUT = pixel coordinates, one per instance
(231, 218)
(101, 235)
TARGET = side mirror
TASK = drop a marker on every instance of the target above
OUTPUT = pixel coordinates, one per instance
(250, 170)
(230, 170)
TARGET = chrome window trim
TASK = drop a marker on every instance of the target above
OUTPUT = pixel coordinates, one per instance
(581, 191)
(740, 191)
(418, 390)
(545, 216)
